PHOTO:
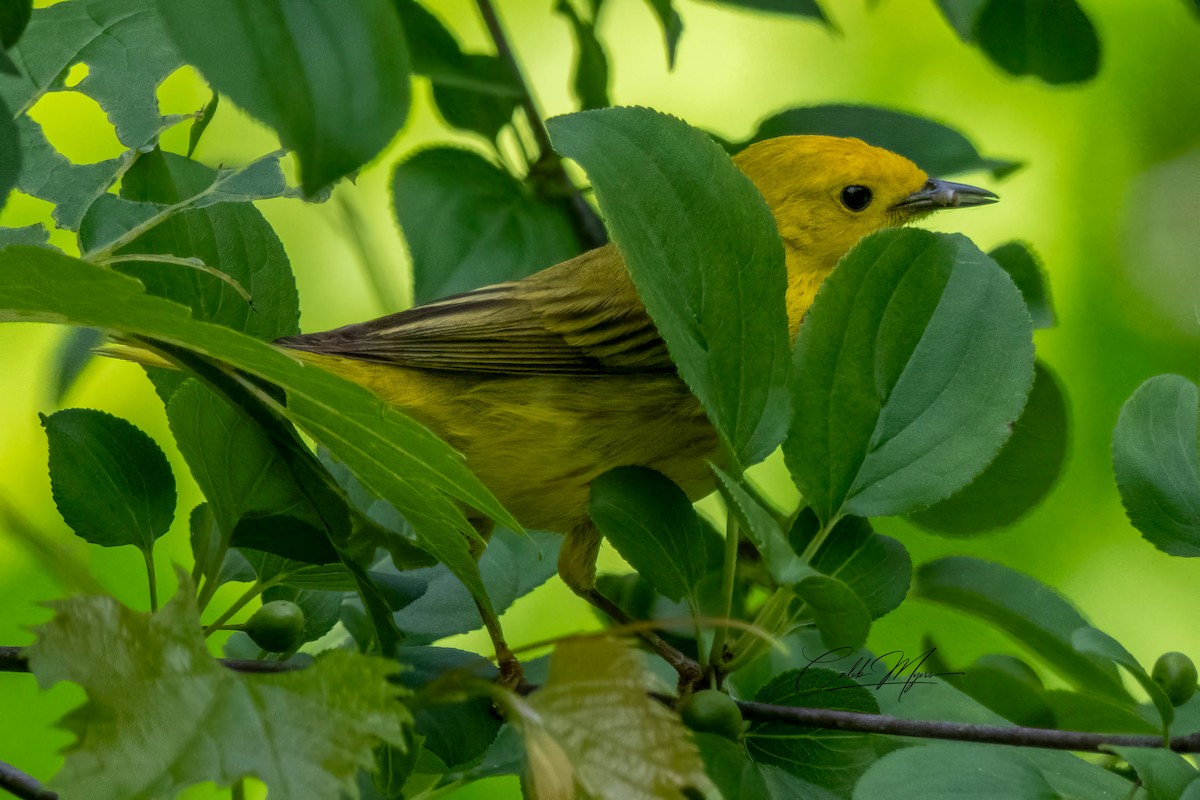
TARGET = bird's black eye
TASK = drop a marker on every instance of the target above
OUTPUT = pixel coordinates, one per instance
(856, 198)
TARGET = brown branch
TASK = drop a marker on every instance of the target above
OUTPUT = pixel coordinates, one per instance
(13, 659)
(585, 222)
(26, 787)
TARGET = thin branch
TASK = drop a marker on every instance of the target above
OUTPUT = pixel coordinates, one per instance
(14, 659)
(18, 784)
(584, 220)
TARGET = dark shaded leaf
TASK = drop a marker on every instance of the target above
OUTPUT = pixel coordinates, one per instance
(672, 26)
(14, 16)
(1024, 472)
(285, 536)
(485, 112)
(457, 730)
(1049, 39)
(10, 150)
(74, 353)
(469, 223)
(1027, 272)
(736, 775)
(591, 64)
(938, 149)
(912, 364)
(709, 268)
(1010, 687)
(876, 568)
(799, 8)
(111, 482)
(1157, 465)
(290, 64)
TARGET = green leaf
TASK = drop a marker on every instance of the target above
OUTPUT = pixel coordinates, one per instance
(201, 123)
(704, 253)
(1156, 461)
(74, 353)
(14, 16)
(1021, 476)
(1049, 39)
(292, 65)
(799, 8)
(652, 524)
(1010, 687)
(961, 15)
(1027, 272)
(436, 55)
(291, 538)
(839, 615)
(591, 64)
(1163, 774)
(1081, 711)
(469, 223)
(111, 482)
(736, 775)
(672, 26)
(1090, 640)
(393, 456)
(829, 758)
(10, 151)
(485, 112)
(1026, 609)
(938, 149)
(912, 364)
(457, 730)
(620, 742)
(876, 568)
(954, 770)
(157, 692)
(761, 528)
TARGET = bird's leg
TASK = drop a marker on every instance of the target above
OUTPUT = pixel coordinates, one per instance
(511, 674)
(577, 567)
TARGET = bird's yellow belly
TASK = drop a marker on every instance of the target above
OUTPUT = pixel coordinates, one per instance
(538, 441)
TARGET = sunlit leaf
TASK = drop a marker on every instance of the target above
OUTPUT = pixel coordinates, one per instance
(111, 482)
(157, 691)
(1156, 461)
(709, 269)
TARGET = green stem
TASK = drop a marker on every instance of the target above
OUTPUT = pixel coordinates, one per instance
(728, 576)
(811, 550)
(254, 591)
(151, 578)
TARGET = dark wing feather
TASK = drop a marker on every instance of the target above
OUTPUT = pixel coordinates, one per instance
(581, 317)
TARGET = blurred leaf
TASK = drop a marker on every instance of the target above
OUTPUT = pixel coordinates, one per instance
(652, 524)
(74, 353)
(511, 567)
(10, 150)
(157, 692)
(1163, 774)
(332, 80)
(1024, 608)
(286, 536)
(912, 364)
(1082, 711)
(1090, 640)
(485, 112)
(111, 482)
(800, 8)
(709, 269)
(14, 16)
(832, 759)
(1023, 473)
(761, 528)
(672, 26)
(436, 55)
(876, 568)
(1156, 463)
(955, 770)
(321, 609)
(1049, 39)
(938, 149)
(128, 54)
(201, 123)
(392, 455)
(458, 730)
(620, 741)
(31, 235)
(1027, 272)
(961, 15)
(736, 775)
(591, 64)
(469, 223)
(1010, 687)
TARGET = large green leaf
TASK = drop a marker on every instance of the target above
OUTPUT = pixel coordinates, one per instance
(1021, 476)
(938, 149)
(1156, 461)
(1049, 39)
(955, 770)
(393, 456)
(469, 223)
(111, 482)
(1164, 774)
(1028, 610)
(157, 692)
(705, 255)
(331, 79)
(911, 366)
(831, 759)
(1090, 640)
(652, 524)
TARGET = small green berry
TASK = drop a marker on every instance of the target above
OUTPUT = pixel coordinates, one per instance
(277, 626)
(1176, 674)
(712, 711)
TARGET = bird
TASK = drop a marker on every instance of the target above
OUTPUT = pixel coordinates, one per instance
(547, 382)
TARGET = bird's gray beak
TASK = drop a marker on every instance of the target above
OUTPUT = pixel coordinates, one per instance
(936, 194)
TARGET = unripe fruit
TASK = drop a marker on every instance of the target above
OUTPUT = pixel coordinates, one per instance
(277, 626)
(1176, 674)
(712, 711)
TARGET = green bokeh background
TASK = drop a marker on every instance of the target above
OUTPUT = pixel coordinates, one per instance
(1109, 197)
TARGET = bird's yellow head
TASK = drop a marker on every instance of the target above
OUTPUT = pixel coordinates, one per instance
(827, 193)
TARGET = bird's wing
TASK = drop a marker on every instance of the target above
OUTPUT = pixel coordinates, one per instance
(581, 317)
